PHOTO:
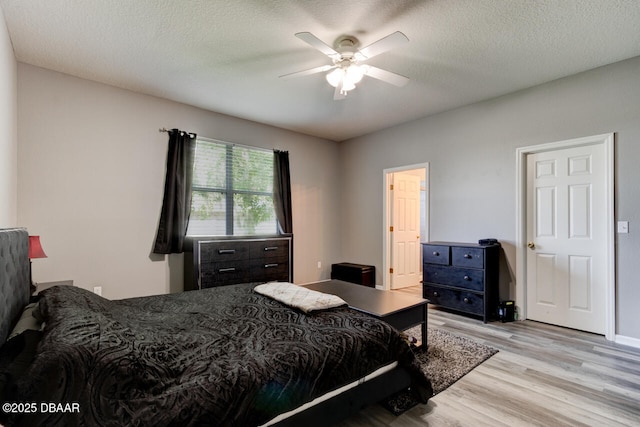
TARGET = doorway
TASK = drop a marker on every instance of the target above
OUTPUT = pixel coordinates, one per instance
(406, 219)
(565, 236)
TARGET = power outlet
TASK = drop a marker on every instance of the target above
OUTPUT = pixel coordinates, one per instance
(319, 265)
(97, 290)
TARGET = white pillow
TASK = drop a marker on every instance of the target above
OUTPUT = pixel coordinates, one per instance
(300, 297)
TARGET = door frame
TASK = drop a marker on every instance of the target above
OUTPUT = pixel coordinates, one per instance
(607, 140)
(386, 216)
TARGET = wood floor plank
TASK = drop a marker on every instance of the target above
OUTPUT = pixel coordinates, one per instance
(543, 375)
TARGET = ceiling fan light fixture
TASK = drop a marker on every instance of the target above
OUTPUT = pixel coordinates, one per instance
(347, 85)
(346, 77)
(347, 69)
(335, 77)
(354, 73)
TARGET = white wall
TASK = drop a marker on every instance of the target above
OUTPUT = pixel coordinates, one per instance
(472, 159)
(8, 130)
(91, 176)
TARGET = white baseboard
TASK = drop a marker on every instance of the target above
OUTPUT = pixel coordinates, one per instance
(631, 342)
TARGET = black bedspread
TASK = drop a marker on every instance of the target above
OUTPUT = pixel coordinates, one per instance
(221, 356)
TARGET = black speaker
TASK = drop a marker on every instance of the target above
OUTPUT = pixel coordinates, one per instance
(507, 311)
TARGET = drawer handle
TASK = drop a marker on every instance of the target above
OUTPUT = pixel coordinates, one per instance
(436, 294)
(466, 300)
(467, 278)
(270, 265)
(226, 251)
(467, 256)
(271, 248)
(436, 253)
(227, 270)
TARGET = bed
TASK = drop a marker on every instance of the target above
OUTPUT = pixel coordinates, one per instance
(219, 356)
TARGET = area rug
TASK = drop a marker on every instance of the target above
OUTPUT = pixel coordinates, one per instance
(448, 358)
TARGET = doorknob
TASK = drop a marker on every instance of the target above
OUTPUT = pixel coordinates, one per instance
(531, 245)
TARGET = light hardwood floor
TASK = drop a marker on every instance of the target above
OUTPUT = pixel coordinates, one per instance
(542, 376)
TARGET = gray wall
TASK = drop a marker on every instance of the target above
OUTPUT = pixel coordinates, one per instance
(8, 130)
(97, 213)
(472, 159)
(91, 166)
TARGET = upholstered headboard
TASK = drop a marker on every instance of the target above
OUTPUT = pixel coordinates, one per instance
(14, 277)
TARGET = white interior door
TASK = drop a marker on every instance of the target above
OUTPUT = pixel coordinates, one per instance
(566, 220)
(405, 237)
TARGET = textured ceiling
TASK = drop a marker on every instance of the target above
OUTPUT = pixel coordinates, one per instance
(226, 55)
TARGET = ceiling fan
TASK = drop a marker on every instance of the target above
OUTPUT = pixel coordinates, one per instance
(348, 68)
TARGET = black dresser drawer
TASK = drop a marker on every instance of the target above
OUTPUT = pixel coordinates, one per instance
(467, 257)
(454, 299)
(227, 251)
(453, 276)
(224, 273)
(227, 273)
(269, 249)
(435, 254)
(271, 271)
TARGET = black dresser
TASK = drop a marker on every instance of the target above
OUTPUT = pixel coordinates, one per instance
(462, 277)
(211, 262)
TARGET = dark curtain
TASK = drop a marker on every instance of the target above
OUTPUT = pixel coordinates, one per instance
(282, 191)
(176, 205)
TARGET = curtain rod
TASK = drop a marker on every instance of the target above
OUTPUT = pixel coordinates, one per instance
(226, 142)
(167, 130)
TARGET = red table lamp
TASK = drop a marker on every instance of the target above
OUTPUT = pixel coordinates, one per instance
(35, 251)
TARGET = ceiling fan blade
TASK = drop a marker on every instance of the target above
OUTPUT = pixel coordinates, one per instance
(385, 76)
(338, 94)
(318, 44)
(308, 72)
(384, 44)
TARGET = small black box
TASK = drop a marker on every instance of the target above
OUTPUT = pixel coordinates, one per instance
(487, 242)
(354, 273)
(507, 311)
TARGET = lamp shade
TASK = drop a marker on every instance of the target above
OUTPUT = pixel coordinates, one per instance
(335, 77)
(355, 73)
(35, 248)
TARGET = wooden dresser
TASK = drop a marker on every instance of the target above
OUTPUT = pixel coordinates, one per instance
(462, 277)
(211, 262)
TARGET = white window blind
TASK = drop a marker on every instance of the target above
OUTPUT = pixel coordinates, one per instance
(232, 190)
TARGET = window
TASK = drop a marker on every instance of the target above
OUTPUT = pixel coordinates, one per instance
(232, 191)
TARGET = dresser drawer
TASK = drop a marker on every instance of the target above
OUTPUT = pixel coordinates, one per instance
(223, 251)
(467, 257)
(224, 273)
(270, 272)
(270, 249)
(435, 254)
(454, 299)
(468, 278)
